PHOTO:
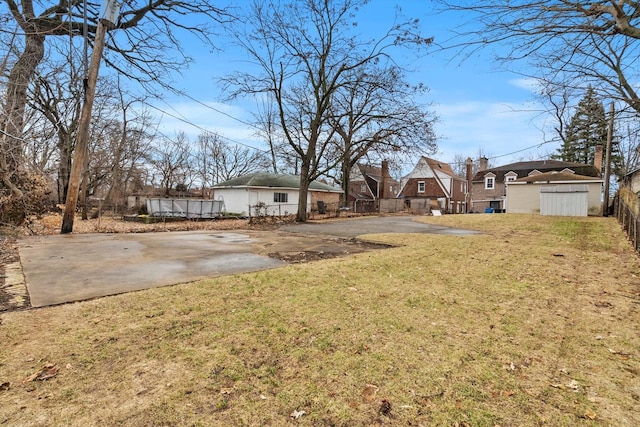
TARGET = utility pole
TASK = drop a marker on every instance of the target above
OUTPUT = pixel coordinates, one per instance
(80, 153)
(607, 164)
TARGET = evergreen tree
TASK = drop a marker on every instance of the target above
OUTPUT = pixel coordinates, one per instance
(586, 130)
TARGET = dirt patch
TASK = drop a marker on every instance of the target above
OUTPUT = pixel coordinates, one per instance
(345, 247)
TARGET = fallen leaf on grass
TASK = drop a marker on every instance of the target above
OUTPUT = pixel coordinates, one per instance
(369, 393)
(502, 393)
(591, 415)
(48, 371)
(573, 385)
(5, 386)
(297, 414)
(612, 351)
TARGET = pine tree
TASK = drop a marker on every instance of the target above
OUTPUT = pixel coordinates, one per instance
(587, 129)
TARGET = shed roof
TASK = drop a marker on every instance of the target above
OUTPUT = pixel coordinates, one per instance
(271, 180)
(555, 177)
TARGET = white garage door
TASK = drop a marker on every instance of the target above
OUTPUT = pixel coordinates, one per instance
(564, 200)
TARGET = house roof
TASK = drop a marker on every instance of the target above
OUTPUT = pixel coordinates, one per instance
(443, 167)
(374, 172)
(523, 169)
(428, 168)
(555, 177)
(271, 180)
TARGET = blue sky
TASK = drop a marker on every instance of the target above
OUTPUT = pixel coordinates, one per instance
(480, 108)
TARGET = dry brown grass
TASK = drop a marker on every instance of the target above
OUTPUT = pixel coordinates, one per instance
(534, 322)
(52, 223)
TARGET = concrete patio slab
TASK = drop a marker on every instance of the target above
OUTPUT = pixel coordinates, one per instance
(74, 267)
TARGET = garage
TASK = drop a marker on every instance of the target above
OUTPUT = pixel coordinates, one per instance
(564, 200)
(555, 193)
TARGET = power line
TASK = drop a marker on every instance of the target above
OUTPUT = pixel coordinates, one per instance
(216, 110)
(520, 151)
(183, 119)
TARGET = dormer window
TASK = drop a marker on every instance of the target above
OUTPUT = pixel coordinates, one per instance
(489, 183)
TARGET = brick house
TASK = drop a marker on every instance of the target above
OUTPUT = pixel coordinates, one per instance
(368, 184)
(433, 184)
(488, 185)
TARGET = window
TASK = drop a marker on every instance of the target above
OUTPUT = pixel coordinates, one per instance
(489, 183)
(280, 197)
(511, 178)
(420, 186)
(363, 188)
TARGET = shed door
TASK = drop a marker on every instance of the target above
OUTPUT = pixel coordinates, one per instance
(564, 200)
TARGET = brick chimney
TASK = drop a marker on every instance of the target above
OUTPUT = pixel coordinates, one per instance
(597, 158)
(469, 169)
(484, 163)
(383, 191)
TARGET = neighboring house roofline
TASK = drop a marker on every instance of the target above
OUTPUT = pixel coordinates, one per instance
(270, 180)
(525, 168)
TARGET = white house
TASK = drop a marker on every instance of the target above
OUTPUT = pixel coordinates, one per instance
(270, 194)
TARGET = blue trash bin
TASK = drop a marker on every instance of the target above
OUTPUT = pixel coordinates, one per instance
(488, 210)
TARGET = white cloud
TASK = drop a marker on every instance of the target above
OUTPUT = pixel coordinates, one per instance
(527, 83)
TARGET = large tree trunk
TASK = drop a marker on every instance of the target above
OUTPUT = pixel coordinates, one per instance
(12, 122)
(65, 150)
(346, 179)
(303, 191)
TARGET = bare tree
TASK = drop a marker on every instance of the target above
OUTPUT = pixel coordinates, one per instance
(267, 124)
(148, 51)
(125, 147)
(219, 161)
(376, 114)
(569, 44)
(170, 160)
(306, 51)
(55, 94)
(459, 165)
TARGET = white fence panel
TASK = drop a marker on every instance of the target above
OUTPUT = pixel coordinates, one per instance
(185, 208)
